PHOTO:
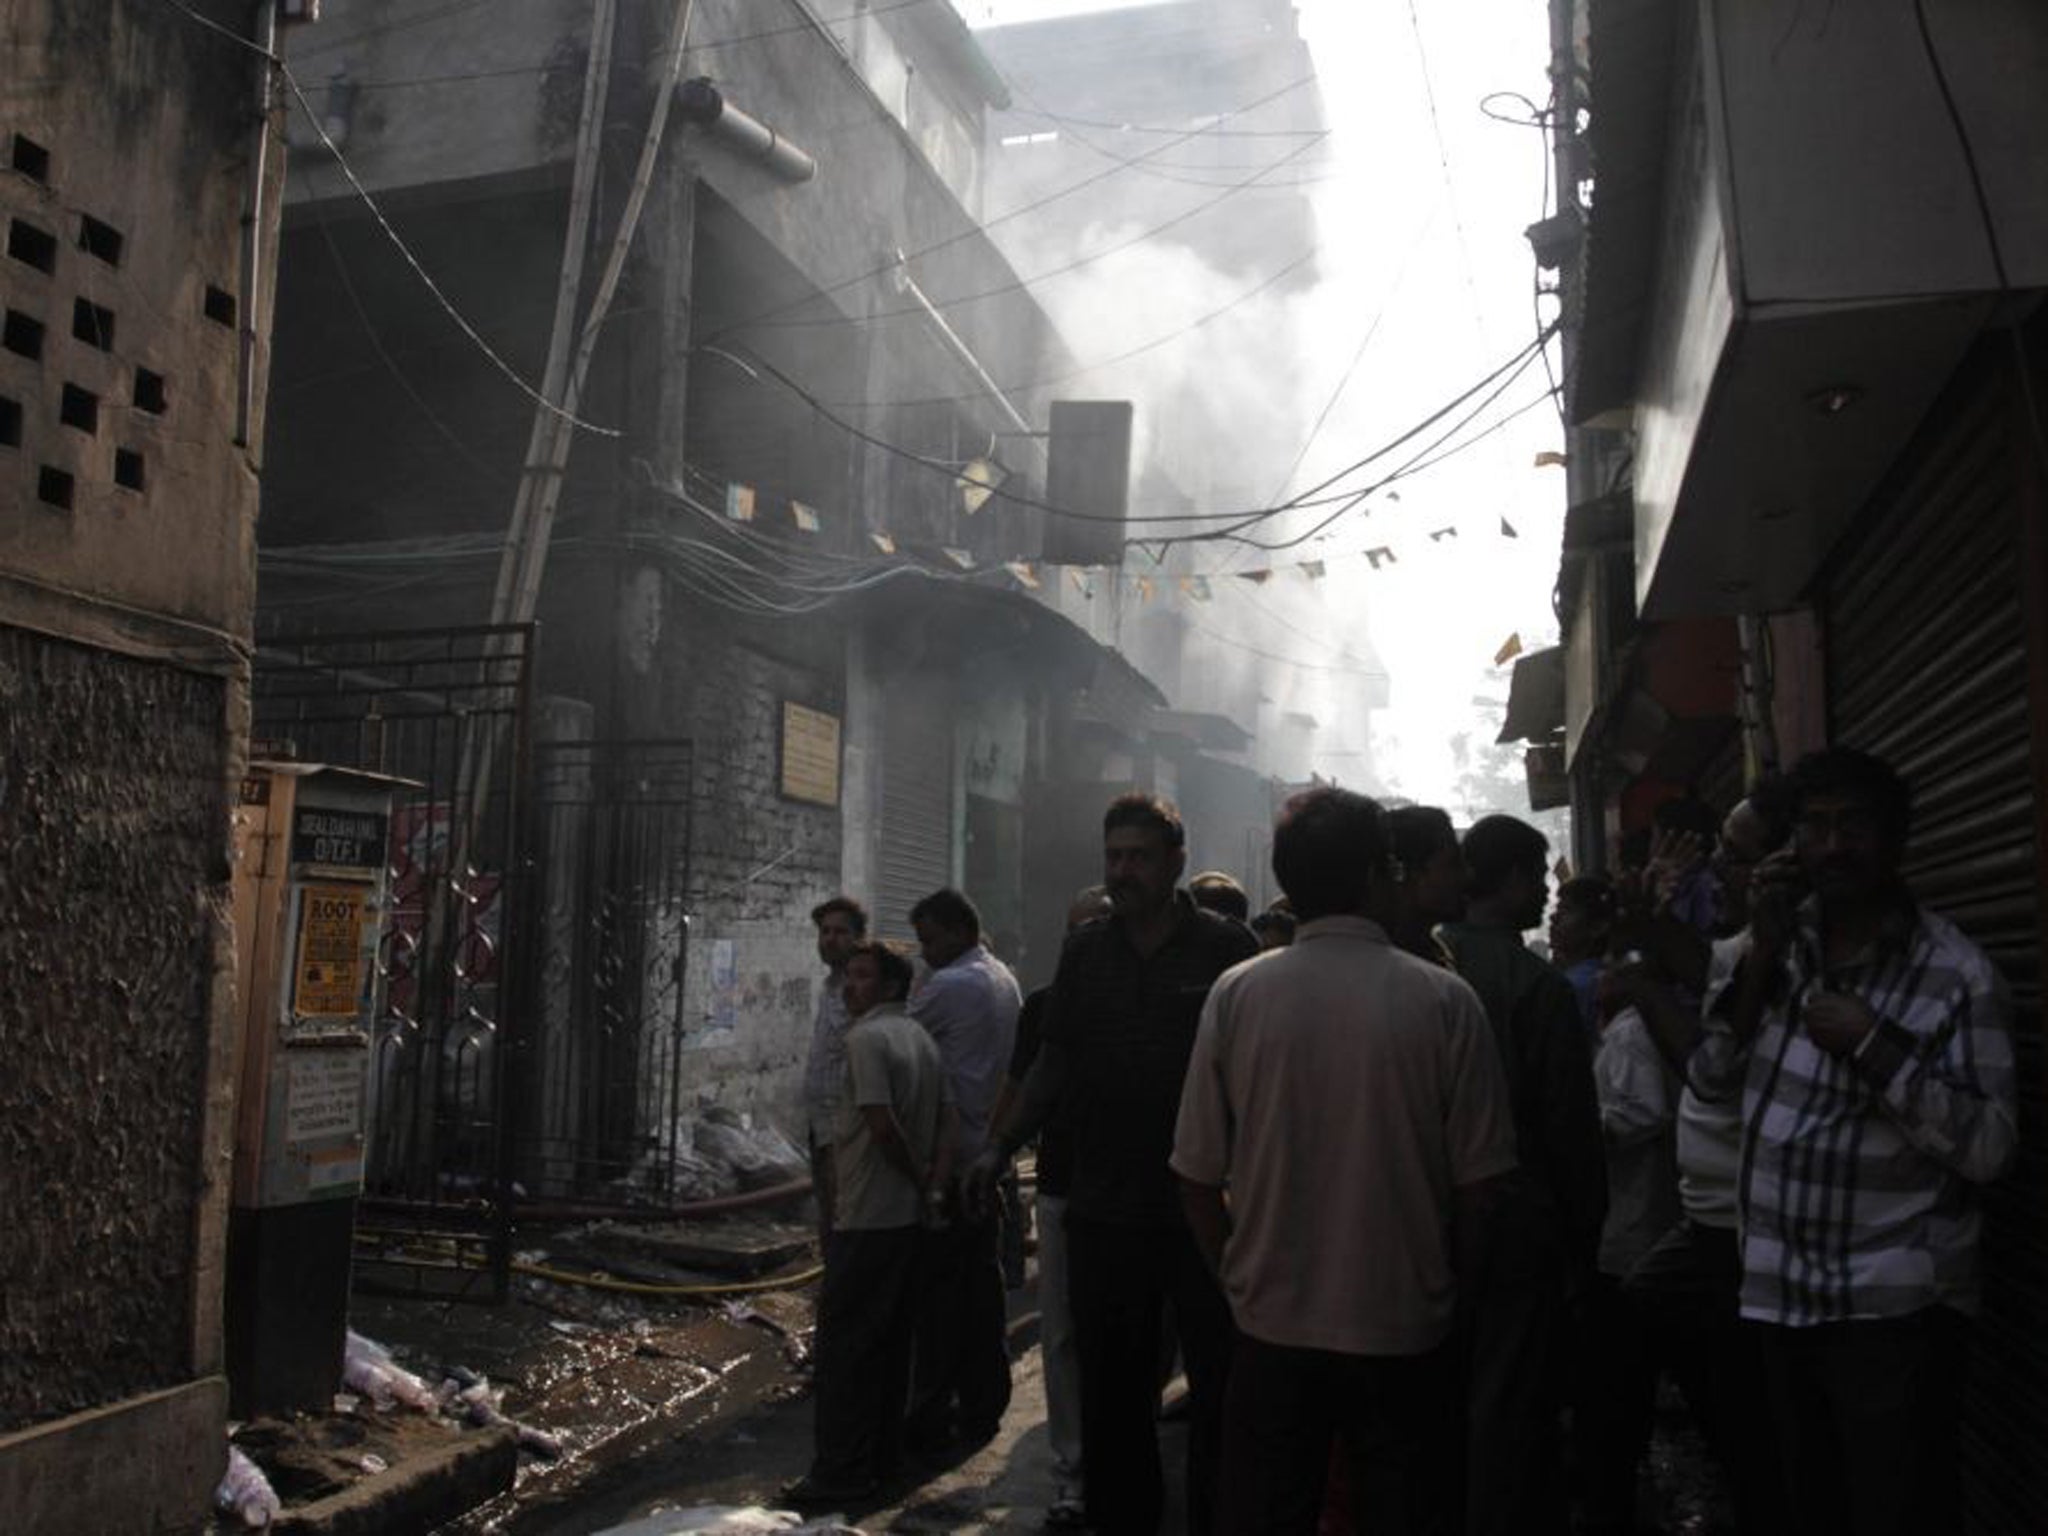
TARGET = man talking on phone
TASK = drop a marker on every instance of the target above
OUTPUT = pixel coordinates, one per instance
(1871, 1047)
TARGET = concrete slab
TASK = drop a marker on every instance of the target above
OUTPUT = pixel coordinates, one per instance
(150, 1463)
(419, 1494)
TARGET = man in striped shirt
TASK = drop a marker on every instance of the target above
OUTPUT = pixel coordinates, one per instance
(1871, 1046)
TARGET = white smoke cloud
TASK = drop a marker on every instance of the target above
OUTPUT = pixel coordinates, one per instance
(1441, 278)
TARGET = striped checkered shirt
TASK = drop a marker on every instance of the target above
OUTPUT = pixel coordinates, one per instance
(1857, 1193)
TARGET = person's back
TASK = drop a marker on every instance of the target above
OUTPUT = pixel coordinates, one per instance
(1331, 1068)
(1535, 1020)
(1342, 1129)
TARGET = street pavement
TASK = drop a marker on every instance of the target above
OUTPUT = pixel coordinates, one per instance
(1005, 1486)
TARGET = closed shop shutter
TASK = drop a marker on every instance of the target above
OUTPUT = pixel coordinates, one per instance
(1927, 667)
(916, 853)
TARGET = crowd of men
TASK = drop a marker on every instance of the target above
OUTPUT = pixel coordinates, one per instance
(1424, 1212)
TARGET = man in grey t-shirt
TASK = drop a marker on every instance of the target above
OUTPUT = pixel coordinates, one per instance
(894, 1147)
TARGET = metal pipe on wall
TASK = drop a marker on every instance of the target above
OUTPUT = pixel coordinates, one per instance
(703, 104)
(253, 215)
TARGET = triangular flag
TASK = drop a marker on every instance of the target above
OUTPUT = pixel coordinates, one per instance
(1550, 458)
(1144, 589)
(1196, 587)
(1381, 556)
(1021, 569)
(739, 502)
(1510, 648)
(1080, 582)
(806, 517)
(884, 543)
(1443, 533)
(1507, 530)
(959, 557)
(1256, 578)
(979, 479)
(1314, 570)
(1393, 495)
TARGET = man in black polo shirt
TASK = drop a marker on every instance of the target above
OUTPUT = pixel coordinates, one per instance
(1119, 1027)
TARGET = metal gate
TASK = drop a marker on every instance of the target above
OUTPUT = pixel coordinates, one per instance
(599, 1091)
(1927, 667)
(447, 709)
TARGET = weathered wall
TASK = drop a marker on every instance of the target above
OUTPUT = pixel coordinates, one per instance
(112, 874)
(758, 862)
(128, 141)
(146, 120)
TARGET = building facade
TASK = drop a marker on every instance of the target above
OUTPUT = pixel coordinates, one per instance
(140, 194)
(1805, 363)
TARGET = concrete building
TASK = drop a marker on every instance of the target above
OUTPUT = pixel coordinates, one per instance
(1804, 359)
(785, 646)
(139, 192)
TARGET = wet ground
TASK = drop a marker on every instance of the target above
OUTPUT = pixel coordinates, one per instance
(660, 1404)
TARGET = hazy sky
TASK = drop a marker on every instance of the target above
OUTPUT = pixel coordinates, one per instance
(1439, 258)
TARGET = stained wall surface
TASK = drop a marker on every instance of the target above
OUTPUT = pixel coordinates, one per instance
(111, 873)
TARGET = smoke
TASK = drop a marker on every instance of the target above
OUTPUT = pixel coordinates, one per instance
(1419, 284)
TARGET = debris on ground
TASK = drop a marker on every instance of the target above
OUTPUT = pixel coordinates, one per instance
(725, 1520)
(245, 1493)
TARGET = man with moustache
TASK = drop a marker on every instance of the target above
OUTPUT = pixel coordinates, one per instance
(842, 924)
(1119, 1029)
(1871, 1046)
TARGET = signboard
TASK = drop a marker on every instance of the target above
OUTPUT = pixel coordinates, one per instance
(323, 1096)
(339, 840)
(810, 755)
(328, 982)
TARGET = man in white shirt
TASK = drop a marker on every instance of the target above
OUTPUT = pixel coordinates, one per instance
(1343, 1122)
(968, 1004)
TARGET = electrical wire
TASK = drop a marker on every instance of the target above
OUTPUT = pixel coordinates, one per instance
(377, 212)
(2021, 362)
(1034, 385)
(1019, 284)
(980, 230)
(1246, 517)
(706, 45)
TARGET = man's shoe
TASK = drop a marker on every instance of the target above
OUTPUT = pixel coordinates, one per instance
(826, 1494)
(1066, 1515)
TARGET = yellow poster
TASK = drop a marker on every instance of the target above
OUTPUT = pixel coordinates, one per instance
(331, 952)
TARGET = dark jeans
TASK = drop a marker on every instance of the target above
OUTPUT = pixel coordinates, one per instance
(1867, 1414)
(1687, 1292)
(1513, 1474)
(1393, 1417)
(1121, 1277)
(960, 1378)
(865, 1309)
(1614, 1400)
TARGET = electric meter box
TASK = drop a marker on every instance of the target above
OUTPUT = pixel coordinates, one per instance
(311, 875)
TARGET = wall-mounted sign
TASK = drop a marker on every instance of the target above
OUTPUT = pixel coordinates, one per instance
(329, 979)
(810, 755)
(338, 839)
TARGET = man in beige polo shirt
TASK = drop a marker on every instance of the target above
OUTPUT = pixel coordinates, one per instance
(1344, 1116)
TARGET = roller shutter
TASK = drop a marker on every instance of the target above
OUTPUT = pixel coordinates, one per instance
(916, 853)
(1927, 667)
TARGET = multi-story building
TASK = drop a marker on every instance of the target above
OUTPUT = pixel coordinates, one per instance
(787, 642)
(1805, 362)
(139, 190)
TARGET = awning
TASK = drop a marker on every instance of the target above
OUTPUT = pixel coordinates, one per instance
(1535, 697)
